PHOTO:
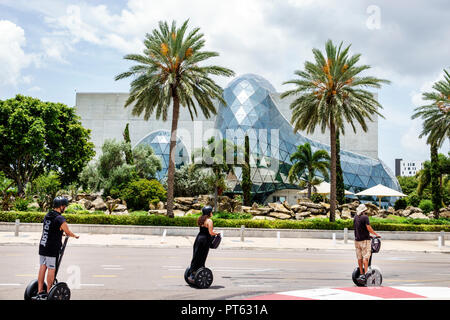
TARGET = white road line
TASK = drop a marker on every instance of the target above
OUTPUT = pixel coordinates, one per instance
(328, 294)
(112, 268)
(92, 284)
(110, 265)
(10, 284)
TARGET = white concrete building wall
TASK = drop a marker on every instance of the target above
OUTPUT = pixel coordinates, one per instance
(409, 168)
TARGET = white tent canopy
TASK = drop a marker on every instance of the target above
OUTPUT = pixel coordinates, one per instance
(381, 191)
(322, 188)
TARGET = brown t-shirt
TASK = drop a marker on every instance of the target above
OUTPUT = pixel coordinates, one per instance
(360, 225)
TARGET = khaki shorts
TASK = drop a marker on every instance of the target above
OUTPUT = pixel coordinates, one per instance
(363, 249)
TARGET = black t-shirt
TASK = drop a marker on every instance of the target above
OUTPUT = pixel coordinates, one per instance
(50, 243)
(360, 225)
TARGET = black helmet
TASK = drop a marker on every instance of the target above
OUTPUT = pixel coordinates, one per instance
(60, 201)
(206, 211)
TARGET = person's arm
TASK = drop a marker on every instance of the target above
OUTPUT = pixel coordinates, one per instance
(209, 223)
(372, 231)
(65, 228)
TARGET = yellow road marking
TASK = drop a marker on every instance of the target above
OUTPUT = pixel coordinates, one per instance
(104, 276)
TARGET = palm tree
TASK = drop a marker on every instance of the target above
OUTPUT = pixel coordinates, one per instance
(307, 164)
(216, 158)
(168, 72)
(436, 126)
(330, 92)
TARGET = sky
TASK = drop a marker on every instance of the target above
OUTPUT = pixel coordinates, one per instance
(51, 49)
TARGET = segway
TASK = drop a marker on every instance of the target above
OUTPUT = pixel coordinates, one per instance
(203, 277)
(59, 290)
(374, 277)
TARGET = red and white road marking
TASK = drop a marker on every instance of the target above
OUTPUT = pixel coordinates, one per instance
(360, 293)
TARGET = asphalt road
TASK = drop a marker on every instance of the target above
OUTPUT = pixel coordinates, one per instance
(151, 273)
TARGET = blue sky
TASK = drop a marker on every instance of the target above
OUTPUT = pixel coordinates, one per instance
(50, 49)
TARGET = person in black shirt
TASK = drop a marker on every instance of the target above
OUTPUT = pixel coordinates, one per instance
(362, 229)
(53, 228)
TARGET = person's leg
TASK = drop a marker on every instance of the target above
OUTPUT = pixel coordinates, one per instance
(50, 278)
(41, 277)
(366, 265)
(360, 264)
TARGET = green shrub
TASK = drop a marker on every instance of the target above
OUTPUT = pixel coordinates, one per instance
(138, 194)
(316, 198)
(426, 205)
(21, 204)
(413, 200)
(191, 221)
(400, 204)
(74, 207)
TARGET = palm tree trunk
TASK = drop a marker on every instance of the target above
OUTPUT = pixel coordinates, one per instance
(173, 142)
(309, 190)
(332, 171)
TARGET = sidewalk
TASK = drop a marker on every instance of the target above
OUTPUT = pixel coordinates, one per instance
(133, 240)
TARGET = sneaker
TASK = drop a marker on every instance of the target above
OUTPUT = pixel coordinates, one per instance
(362, 277)
(40, 296)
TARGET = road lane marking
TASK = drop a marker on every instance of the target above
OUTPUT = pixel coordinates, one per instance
(10, 284)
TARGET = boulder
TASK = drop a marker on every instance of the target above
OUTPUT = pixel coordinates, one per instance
(337, 215)
(99, 204)
(316, 211)
(152, 206)
(157, 212)
(33, 205)
(255, 206)
(311, 205)
(418, 215)
(263, 218)
(254, 212)
(325, 205)
(278, 207)
(119, 213)
(181, 207)
(296, 207)
(193, 211)
(279, 215)
(286, 205)
(264, 210)
(302, 215)
(406, 213)
(120, 208)
(160, 205)
(383, 213)
(246, 208)
(188, 201)
(179, 213)
(346, 214)
(197, 206)
(445, 214)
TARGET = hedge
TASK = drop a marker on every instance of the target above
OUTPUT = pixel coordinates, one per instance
(159, 220)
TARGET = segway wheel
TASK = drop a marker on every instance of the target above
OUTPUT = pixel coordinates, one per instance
(375, 279)
(203, 278)
(355, 276)
(186, 275)
(32, 290)
(60, 291)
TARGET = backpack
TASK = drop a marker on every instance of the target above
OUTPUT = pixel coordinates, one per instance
(375, 245)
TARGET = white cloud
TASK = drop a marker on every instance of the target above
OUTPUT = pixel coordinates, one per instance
(13, 58)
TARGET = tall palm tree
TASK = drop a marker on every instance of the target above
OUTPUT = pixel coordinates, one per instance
(329, 92)
(436, 126)
(307, 164)
(168, 72)
(215, 157)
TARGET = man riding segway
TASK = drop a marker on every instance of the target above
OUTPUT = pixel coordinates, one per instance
(53, 228)
(363, 248)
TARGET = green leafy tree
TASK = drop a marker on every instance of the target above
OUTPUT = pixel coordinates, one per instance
(8, 191)
(169, 72)
(189, 182)
(306, 165)
(45, 187)
(436, 127)
(38, 136)
(330, 92)
(246, 180)
(111, 172)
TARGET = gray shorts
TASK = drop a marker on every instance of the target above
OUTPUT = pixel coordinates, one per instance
(50, 262)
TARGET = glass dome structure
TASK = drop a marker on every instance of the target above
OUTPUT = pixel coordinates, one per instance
(251, 110)
(160, 142)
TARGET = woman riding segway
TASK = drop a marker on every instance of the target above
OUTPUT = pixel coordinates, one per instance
(197, 273)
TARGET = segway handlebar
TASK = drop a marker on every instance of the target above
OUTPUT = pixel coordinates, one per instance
(61, 253)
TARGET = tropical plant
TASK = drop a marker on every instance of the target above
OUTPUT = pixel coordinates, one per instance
(7, 190)
(329, 93)
(306, 165)
(340, 187)
(218, 157)
(169, 72)
(246, 180)
(37, 136)
(426, 205)
(436, 127)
